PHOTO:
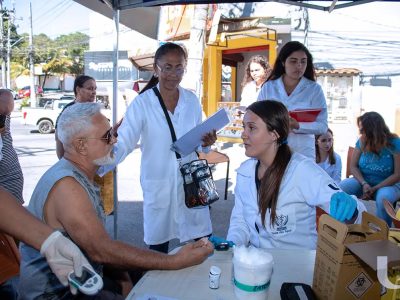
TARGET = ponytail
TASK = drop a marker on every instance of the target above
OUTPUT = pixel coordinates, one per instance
(271, 182)
(152, 83)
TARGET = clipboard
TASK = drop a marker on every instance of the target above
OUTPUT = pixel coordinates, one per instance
(305, 115)
(192, 139)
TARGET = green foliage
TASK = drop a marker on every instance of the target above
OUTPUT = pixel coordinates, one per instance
(59, 56)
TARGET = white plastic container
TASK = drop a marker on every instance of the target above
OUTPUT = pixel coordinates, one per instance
(252, 273)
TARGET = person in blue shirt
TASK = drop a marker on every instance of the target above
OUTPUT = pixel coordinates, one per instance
(375, 164)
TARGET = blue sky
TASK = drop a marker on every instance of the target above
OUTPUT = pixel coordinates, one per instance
(52, 17)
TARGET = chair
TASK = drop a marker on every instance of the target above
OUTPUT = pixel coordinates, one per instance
(391, 212)
(349, 155)
(9, 258)
(215, 157)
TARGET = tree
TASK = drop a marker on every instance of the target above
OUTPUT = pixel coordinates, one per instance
(59, 56)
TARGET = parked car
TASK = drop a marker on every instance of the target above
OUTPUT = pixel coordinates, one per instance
(25, 92)
(43, 117)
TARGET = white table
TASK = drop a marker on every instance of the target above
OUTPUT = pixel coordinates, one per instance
(192, 283)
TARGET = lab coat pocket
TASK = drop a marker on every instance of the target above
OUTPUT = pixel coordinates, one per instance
(157, 193)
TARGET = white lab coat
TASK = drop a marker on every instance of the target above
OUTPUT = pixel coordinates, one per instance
(307, 94)
(335, 170)
(249, 93)
(165, 214)
(303, 187)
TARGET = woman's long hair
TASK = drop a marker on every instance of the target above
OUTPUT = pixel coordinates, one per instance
(331, 152)
(290, 47)
(258, 59)
(276, 117)
(376, 133)
(161, 51)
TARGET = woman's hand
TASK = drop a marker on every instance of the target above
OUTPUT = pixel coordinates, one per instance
(209, 138)
(116, 126)
(293, 124)
(368, 191)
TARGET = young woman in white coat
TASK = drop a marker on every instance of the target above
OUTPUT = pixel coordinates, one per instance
(326, 157)
(292, 82)
(277, 192)
(165, 215)
(257, 71)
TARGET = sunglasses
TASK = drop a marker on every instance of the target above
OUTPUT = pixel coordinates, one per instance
(107, 137)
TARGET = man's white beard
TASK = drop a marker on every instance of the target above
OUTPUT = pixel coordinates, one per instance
(109, 159)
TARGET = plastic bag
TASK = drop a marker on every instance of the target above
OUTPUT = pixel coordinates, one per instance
(198, 183)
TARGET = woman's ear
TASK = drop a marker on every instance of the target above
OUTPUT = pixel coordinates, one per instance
(276, 134)
(155, 67)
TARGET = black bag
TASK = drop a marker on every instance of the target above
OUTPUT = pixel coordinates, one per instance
(198, 183)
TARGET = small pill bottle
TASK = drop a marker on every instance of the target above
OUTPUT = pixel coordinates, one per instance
(215, 274)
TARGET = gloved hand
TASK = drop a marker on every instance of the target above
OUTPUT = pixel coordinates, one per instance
(63, 257)
(215, 240)
(343, 206)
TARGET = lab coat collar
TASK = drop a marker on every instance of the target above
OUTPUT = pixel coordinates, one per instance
(247, 168)
(303, 83)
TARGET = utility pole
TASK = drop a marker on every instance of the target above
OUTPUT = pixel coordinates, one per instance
(31, 62)
(193, 78)
(11, 15)
(3, 63)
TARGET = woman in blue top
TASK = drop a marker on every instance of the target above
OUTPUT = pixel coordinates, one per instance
(375, 164)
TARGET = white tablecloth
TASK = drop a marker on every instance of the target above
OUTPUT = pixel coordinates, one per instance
(192, 283)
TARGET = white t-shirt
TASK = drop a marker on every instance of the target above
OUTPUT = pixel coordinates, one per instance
(249, 93)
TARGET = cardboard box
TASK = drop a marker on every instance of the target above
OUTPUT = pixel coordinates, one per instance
(338, 273)
(394, 273)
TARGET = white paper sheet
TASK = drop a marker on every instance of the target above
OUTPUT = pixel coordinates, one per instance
(192, 139)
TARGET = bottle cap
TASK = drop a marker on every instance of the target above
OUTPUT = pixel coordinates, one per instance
(214, 270)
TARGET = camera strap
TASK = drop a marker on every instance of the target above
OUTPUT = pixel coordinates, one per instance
(171, 127)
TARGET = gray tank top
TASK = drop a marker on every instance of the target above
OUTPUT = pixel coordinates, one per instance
(36, 278)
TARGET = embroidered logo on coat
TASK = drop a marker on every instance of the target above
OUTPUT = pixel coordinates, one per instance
(281, 221)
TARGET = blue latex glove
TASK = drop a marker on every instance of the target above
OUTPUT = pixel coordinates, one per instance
(218, 240)
(343, 206)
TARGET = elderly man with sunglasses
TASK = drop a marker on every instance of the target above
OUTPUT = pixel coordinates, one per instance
(67, 199)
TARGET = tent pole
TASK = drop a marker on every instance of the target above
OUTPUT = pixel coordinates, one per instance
(114, 110)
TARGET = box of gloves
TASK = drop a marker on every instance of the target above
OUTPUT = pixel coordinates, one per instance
(339, 273)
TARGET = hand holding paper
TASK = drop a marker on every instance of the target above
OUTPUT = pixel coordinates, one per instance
(194, 138)
(209, 138)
